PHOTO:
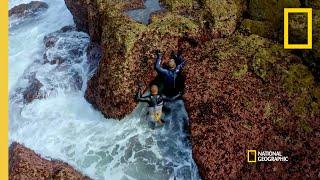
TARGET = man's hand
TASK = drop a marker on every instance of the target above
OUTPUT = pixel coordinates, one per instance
(173, 55)
(140, 85)
(158, 53)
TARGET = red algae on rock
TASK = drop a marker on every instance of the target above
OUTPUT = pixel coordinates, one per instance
(26, 164)
(243, 91)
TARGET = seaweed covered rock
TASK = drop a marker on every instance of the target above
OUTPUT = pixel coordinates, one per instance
(266, 10)
(271, 11)
(236, 103)
(128, 58)
(243, 91)
(225, 15)
(128, 52)
(219, 17)
(26, 164)
(261, 28)
(128, 45)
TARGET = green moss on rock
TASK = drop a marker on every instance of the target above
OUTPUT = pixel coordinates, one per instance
(263, 63)
(278, 122)
(172, 24)
(261, 28)
(270, 10)
(239, 44)
(299, 84)
(267, 109)
(305, 126)
(299, 79)
(176, 5)
(241, 71)
(224, 15)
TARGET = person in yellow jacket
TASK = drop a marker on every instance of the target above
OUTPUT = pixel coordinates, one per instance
(155, 102)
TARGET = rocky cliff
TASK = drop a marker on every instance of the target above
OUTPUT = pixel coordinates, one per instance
(26, 164)
(243, 91)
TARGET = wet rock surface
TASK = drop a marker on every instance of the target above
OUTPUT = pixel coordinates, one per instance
(60, 68)
(24, 14)
(27, 10)
(33, 90)
(65, 46)
(26, 164)
(243, 91)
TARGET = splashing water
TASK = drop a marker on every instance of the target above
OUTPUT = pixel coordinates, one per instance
(61, 124)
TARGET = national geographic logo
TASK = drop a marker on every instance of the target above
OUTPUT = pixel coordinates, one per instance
(252, 156)
(265, 156)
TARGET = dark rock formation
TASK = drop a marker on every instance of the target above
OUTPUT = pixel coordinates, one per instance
(32, 91)
(216, 17)
(26, 164)
(87, 14)
(242, 92)
(30, 9)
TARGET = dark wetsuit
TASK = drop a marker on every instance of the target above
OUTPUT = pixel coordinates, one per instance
(155, 106)
(170, 75)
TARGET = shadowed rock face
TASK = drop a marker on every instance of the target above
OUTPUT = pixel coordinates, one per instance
(26, 164)
(242, 92)
(30, 9)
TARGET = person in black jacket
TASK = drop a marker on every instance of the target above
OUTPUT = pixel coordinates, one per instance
(155, 104)
(170, 74)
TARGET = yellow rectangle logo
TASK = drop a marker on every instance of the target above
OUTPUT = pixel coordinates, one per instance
(308, 11)
(252, 156)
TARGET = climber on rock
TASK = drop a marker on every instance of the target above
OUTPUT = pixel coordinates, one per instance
(171, 73)
(155, 102)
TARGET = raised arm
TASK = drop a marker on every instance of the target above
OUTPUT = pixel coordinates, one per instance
(178, 59)
(158, 67)
(165, 98)
(140, 98)
(180, 63)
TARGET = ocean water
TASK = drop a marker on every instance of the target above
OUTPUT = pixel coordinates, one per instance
(62, 125)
